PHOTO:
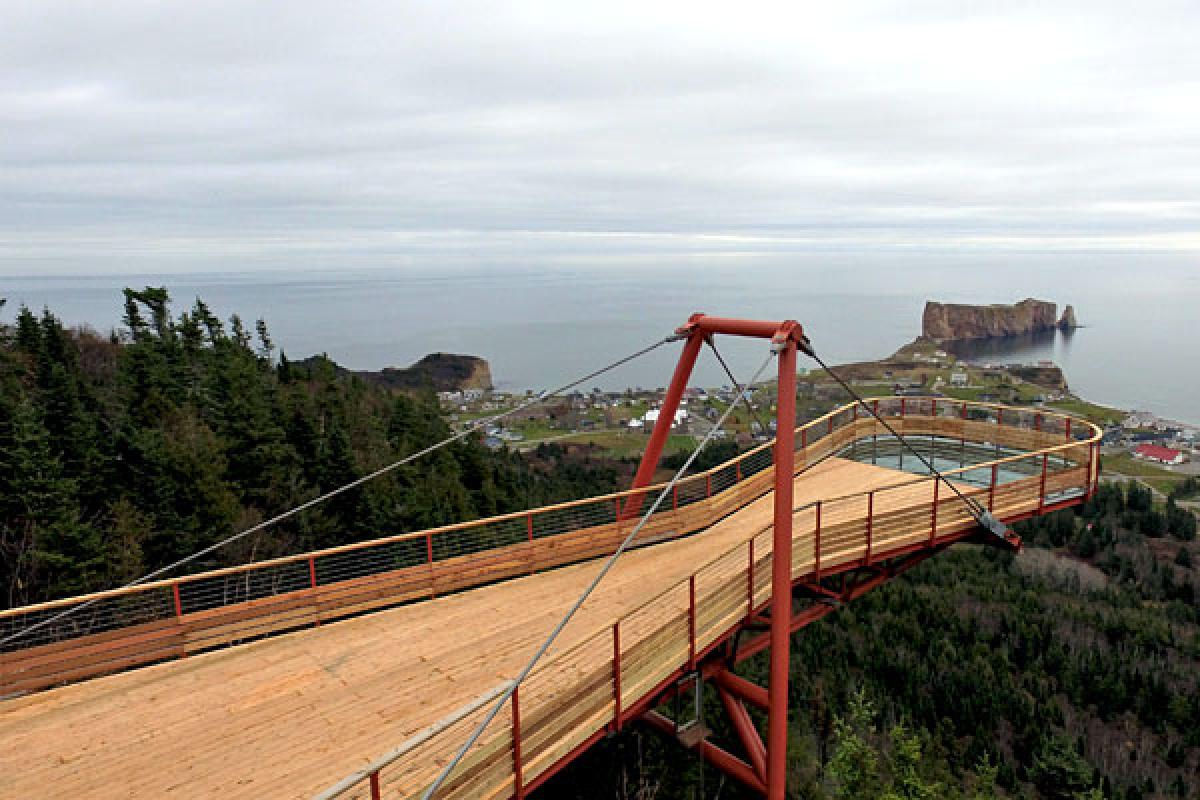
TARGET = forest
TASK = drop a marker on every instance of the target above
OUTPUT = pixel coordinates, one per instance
(1069, 671)
(123, 453)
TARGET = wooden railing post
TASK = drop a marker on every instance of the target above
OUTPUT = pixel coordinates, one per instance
(750, 580)
(675, 497)
(933, 513)
(178, 601)
(518, 772)
(708, 485)
(312, 572)
(429, 561)
(738, 474)
(992, 490)
(964, 411)
(1068, 427)
(817, 545)
(692, 621)
(870, 523)
(616, 637)
(1042, 490)
(1087, 480)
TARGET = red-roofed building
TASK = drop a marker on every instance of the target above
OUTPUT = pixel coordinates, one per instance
(1163, 455)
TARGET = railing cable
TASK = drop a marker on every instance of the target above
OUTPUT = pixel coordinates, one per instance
(562, 623)
(981, 515)
(470, 428)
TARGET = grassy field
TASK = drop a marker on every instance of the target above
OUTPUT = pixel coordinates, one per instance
(1161, 479)
(1100, 415)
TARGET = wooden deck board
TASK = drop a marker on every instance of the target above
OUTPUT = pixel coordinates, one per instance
(287, 716)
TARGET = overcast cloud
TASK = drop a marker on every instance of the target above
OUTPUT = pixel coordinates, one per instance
(209, 135)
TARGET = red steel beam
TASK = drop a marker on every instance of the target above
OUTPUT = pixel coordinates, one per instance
(752, 743)
(739, 687)
(666, 417)
(729, 764)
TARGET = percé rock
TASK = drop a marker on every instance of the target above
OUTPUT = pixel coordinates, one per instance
(445, 372)
(951, 321)
(1068, 321)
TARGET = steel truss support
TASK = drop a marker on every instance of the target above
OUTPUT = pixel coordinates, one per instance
(808, 600)
(764, 768)
(787, 338)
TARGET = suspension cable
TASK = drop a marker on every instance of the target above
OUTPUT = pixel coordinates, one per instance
(470, 428)
(562, 623)
(981, 515)
(729, 373)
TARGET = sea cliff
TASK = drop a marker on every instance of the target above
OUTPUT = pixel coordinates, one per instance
(957, 321)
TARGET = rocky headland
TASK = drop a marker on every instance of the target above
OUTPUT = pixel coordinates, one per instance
(442, 372)
(946, 322)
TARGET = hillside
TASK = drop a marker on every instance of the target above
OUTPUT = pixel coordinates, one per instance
(119, 455)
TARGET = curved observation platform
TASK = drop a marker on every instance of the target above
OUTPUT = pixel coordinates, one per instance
(429, 621)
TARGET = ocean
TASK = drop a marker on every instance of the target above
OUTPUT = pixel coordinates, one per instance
(541, 326)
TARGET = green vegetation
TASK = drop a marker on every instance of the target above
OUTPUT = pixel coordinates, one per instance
(1124, 464)
(121, 454)
(1100, 415)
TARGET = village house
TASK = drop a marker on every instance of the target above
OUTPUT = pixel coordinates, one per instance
(1163, 455)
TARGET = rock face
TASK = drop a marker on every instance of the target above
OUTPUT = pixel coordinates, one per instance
(1068, 321)
(443, 371)
(951, 321)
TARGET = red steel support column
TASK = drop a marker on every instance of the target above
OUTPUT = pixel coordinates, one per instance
(518, 771)
(781, 575)
(666, 416)
(178, 602)
(376, 793)
(1068, 425)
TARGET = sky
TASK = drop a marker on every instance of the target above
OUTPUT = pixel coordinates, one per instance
(183, 136)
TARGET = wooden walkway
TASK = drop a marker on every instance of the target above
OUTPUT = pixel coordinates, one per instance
(288, 716)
